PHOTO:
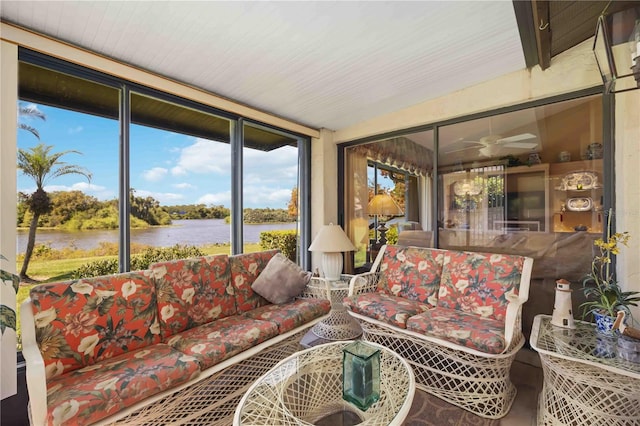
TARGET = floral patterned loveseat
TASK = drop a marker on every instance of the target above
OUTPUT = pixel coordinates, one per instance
(454, 315)
(99, 348)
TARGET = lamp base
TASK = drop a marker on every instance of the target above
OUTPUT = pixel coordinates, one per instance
(332, 265)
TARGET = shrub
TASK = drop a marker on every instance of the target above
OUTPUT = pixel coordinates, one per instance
(138, 261)
(283, 240)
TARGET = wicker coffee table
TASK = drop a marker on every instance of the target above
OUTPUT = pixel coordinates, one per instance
(306, 389)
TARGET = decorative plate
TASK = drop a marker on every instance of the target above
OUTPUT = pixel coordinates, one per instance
(577, 181)
(579, 204)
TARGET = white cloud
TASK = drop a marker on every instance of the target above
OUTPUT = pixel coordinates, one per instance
(204, 156)
(74, 130)
(262, 196)
(221, 198)
(155, 174)
(163, 197)
(183, 185)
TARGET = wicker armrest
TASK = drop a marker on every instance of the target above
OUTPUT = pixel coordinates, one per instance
(364, 283)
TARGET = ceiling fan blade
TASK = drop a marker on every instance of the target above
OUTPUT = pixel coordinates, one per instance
(516, 138)
(521, 145)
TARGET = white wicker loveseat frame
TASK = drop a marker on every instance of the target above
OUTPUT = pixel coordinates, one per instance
(473, 380)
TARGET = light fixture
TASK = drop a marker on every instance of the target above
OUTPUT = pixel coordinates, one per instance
(383, 204)
(617, 47)
(331, 241)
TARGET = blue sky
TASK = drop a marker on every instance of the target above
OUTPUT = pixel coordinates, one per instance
(170, 167)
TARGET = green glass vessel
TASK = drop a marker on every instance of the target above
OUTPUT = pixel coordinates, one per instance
(361, 374)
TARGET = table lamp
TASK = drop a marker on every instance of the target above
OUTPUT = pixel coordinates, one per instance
(383, 205)
(331, 241)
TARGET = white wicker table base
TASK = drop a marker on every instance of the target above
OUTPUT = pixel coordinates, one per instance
(339, 325)
(307, 387)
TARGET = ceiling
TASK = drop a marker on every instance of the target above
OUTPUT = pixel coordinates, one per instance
(323, 64)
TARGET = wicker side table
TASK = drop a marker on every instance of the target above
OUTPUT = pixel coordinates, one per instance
(306, 389)
(585, 381)
(339, 325)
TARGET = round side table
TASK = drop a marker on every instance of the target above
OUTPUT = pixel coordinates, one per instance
(339, 325)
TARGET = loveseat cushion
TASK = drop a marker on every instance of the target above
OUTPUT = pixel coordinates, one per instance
(221, 339)
(192, 292)
(245, 268)
(412, 273)
(390, 309)
(293, 314)
(472, 331)
(84, 321)
(92, 393)
(479, 283)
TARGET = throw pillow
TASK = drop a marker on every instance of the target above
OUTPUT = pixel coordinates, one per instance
(281, 280)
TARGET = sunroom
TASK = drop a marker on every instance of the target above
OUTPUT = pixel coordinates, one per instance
(475, 116)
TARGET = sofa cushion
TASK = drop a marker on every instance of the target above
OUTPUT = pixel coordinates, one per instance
(221, 339)
(92, 393)
(412, 273)
(390, 309)
(468, 330)
(245, 268)
(84, 321)
(281, 280)
(478, 283)
(192, 292)
(293, 314)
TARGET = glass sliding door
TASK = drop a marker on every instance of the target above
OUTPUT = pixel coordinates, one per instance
(535, 173)
(400, 167)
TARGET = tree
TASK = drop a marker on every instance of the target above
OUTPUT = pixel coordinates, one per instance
(29, 111)
(42, 165)
(292, 207)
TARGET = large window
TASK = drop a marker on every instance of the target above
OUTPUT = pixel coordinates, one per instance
(149, 170)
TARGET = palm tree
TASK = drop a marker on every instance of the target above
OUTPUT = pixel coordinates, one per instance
(30, 111)
(42, 165)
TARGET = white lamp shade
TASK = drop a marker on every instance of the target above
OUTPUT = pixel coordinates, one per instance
(331, 239)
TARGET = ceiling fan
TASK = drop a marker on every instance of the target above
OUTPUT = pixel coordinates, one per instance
(493, 145)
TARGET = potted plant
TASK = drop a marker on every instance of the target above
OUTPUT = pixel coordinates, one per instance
(605, 297)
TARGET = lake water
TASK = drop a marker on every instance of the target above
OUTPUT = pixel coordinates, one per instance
(191, 232)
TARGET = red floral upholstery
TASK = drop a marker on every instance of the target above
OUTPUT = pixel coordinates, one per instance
(478, 283)
(84, 321)
(293, 314)
(92, 393)
(192, 292)
(221, 339)
(390, 309)
(412, 273)
(468, 330)
(245, 268)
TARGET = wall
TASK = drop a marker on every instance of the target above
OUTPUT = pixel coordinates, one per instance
(627, 160)
(8, 120)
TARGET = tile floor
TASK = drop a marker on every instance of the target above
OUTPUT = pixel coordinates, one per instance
(526, 374)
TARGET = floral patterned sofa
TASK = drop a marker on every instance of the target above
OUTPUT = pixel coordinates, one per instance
(99, 348)
(454, 315)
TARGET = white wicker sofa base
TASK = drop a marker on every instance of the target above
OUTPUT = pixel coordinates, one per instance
(454, 316)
